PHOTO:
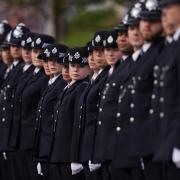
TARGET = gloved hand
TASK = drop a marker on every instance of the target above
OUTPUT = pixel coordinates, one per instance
(4, 155)
(76, 168)
(176, 157)
(94, 167)
(39, 169)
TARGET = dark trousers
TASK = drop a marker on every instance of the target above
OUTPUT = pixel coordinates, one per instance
(171, 172)
(4, 168)
(153, 170)
(126, 173)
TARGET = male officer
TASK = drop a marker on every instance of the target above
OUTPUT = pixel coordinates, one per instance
(167, 80)
(142, 84)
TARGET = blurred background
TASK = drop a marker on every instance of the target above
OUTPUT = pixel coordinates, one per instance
(70, 21)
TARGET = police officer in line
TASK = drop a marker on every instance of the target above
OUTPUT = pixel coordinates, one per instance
(7, 60)
(66, 112)
(54, 55)
(7, 95)
(142, 83)
(29, 98)
(122, 166)
(167, 81)
(83, 138)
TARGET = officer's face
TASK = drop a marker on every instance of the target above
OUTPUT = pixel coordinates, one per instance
(46, 69)
(123, 42)
(170, 19)
(150, 30)
(78, 71)
(34, 54)
(135, 37)
(99, 57)
(112, 55)
(92, 63)
(15, 51)
(6, 56)
(54, 67)
(65, 73)
(26, 55)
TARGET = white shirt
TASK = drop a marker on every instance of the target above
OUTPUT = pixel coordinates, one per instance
(146, 46)
(111, 70)
(124, 57)
(169, 39)
(95, 75)
(52, 80)
(36, 70)
(136, 54)
(15, 62)
(26, 66)
(71, 83)
(176, 34)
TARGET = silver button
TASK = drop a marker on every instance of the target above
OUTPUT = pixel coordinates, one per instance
(131, 119)
(155, 82)
(55, 120)
(119, 101)
(151, 111)
(36, 119)
(153, 96)
(161, 115)
(132, 105)
(161, 99)
(3, 119)
(100, 109)
(80, 107)
(104, 97)
(80, 117)
(161, 84)
(132, 91)
(113, 84)
(118, 129)
(139, 78)
(107, 84)
(39, 110)
(118, 114)
(11, 105)
(97, 105)
(8, 86)
(57, 111)
(121, 87)
(5, 98)
(4, 108)
(99, 123)
(156, 67)
(99, 94)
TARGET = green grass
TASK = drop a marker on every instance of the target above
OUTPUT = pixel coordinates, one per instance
(83, 26)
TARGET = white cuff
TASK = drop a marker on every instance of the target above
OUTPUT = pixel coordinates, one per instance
(4, 155)
(39, 169)
(176, 155)
(76, 168)
(94, 167)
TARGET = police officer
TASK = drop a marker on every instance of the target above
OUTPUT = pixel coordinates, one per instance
(65, 114)
(7, 94)
(54, 55)
(167, 76)
(30, 97)
(142, 84)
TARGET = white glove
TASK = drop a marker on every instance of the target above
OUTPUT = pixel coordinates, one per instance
(4, 155)
(39, 169)
(93, 167)
(176, 157)
(76, 168)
